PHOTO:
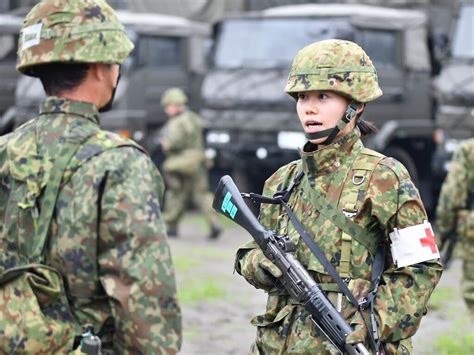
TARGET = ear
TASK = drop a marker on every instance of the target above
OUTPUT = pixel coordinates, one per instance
(360, 109)
(97, 71)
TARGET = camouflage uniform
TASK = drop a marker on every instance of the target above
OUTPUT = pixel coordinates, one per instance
(455, 212)
(388, 200)
(185, 167)
(107, 238)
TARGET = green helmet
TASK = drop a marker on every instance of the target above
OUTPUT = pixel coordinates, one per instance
(336, 65)
(174, 96)
(71, 31)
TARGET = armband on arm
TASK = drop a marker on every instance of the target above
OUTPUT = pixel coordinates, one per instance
(413, 245)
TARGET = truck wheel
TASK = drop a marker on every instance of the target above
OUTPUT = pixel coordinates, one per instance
(403, 157)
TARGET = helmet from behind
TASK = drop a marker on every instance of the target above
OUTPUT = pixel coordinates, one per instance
(71, 31)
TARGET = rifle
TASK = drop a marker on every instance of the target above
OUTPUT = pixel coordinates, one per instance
(295, 279)
(447, 252)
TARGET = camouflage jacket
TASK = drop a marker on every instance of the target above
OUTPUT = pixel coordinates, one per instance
(391, 200)
(183, 145)
(107, 237)
(455, 212)
(183, 132)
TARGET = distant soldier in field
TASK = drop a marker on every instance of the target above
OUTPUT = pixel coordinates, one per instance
(185, 168)
(455, 213)
(102, 259)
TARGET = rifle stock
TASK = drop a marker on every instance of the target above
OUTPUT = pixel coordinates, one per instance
(295, 279)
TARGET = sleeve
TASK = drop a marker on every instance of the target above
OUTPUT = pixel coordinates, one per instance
(249, 256)
(404, 292)
(453, 196)
(135, 263)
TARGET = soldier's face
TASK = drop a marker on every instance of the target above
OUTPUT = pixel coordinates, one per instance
(321, 110)
(173, 110)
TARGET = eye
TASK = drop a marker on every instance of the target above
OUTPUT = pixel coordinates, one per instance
(323, 96)
(301, 96)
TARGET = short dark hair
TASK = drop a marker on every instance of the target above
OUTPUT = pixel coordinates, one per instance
(58, 77)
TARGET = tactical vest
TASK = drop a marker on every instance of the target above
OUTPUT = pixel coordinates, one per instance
(355, 187)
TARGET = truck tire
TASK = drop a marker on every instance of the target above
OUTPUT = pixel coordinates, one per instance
(403, 157)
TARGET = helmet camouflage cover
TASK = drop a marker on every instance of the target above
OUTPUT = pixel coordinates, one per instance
(174, 96)
(336, 65)
(71, 31)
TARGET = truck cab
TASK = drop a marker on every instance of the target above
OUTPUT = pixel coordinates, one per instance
(454, 89)
(169, 51)
(252, 126)
(9, 27)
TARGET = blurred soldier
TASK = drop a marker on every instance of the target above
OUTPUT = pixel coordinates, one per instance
(184, 167)
(455, 212)
(352, 201)
(107, 239)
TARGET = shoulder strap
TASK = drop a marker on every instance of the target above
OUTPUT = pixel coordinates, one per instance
(342, 222)
(71, 145)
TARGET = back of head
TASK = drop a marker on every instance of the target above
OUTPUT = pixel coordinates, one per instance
(173, 96)
(335, 65)
(71, 31)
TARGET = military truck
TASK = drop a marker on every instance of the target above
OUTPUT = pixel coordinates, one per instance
(454, 89)
(252, 126)
(9, 28)
(169, 51)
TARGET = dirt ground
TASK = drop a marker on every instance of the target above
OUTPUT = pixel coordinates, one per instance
(217, 305)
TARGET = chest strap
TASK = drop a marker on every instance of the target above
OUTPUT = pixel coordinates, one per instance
(356, 187)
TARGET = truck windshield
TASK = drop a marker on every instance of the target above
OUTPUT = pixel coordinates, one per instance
(463, 42)
(272, 43)
(7, 48)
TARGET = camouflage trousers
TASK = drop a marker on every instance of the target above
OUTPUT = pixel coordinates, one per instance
(467, 283)
(183, 189)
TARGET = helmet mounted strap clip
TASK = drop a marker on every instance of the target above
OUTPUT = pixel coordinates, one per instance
(331, 133)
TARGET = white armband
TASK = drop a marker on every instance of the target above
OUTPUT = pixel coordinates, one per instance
(413, 245)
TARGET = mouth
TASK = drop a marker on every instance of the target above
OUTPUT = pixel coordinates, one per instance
(313, 126)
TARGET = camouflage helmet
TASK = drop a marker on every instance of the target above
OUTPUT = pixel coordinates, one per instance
(72, 31)
(336, 65)
(174, 96)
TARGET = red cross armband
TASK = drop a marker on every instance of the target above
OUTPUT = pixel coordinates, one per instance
(413, 245)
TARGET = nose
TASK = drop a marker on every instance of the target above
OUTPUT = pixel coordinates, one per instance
(311, 106)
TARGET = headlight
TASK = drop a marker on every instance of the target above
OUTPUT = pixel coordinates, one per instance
(138, 135)
(291, 140)
(451, 145)
(210, 153)
(261, 153)
(217, 137)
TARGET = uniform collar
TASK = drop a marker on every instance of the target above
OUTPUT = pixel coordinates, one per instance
(58, 105)
(328, 159)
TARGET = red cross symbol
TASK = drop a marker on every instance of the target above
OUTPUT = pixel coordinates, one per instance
(429, 241)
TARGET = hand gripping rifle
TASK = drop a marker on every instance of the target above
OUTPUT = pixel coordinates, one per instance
(295, 279)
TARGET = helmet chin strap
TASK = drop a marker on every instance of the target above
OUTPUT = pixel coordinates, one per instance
(331, 133)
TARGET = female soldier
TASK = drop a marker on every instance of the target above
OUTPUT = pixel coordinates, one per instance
(331, 81)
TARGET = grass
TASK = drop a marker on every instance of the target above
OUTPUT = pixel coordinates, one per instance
(183, 264)
(200, 289)
(455, 343)
(442, 296)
